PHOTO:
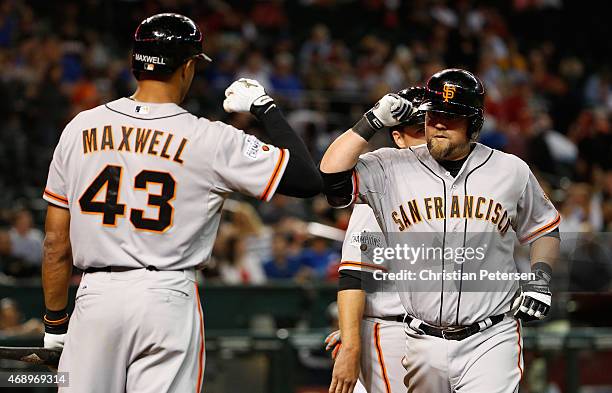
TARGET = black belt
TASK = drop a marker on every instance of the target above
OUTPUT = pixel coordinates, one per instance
(454, 333)
(109, 269)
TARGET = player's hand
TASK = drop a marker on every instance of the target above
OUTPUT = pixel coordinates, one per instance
(534, 300)
(346, 371)
(333, 343)
(54, 341)
(246, 95)
(389, 111)
(56, 326)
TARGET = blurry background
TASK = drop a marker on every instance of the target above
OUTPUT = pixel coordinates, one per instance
(546, 66)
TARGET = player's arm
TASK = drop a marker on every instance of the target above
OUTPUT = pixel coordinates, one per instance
(351, 303)
(538, 223)
(301, 177)
(342, 155)
(546, 249)
(535, 298)
(56, 272)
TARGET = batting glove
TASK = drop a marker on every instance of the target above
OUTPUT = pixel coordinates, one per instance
(534, 300)
(54, 341)
(333, 342)
(247, 95)
(389, 111)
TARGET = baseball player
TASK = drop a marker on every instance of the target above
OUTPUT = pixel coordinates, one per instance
(382, 339)
(463, 334)
(135, 191)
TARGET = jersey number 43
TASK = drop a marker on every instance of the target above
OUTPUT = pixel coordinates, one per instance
(110, 208)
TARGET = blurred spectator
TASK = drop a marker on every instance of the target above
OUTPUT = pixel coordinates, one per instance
(239, 266)
(13, 266)
(283, 265)
(317, 46)
(581, 210)
(256, 67)
(26, 241)
(400, 72)
(284, 81)
(319, 256)
(12, 323)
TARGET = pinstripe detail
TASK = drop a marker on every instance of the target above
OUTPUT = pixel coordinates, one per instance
(277, 170)
(520, 349)
(56, 197)
(381, 360)
(361, 264)
(551, 225)
(201, 351)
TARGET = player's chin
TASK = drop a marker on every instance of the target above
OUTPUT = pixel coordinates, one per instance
(439, 148)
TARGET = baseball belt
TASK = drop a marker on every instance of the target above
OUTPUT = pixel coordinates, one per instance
(109, 269)
(456, 333)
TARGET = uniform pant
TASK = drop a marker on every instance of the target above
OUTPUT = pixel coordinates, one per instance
(490, 361)
(137, 331)
(382, 348)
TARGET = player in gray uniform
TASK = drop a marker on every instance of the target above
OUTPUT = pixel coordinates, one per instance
(382, 338)
(463, 334)
(135, 192)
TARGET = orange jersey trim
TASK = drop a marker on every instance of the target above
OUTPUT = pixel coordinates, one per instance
(277, 167)
(542, 229)
(58, 198)
(362, 264)
(201, 351)
(381, 360)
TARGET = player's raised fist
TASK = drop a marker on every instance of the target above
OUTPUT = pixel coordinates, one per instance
(389, 111)
(246, 95)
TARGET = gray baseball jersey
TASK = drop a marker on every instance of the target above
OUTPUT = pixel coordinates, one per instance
(382, 341)
(417, 202)
(362, 236)
(145, 183)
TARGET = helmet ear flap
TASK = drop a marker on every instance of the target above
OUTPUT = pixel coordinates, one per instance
(475, 126)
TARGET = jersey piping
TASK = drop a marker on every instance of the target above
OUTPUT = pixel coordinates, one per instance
(443, 236)
(465, 232)
(143, 118)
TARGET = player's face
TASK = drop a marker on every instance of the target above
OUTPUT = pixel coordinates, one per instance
(409, 136)
(446, 136)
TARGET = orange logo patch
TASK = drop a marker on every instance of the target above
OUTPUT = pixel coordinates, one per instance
(265, 148)
(449, 92)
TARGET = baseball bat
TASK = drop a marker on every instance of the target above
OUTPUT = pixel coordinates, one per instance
(33, 355)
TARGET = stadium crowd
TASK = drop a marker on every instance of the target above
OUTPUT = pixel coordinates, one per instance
(549, 101)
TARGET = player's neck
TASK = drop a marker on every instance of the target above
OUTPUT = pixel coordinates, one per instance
(157, 92)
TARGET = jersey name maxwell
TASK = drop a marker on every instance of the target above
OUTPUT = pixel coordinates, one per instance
(135, 140)
(468, 207)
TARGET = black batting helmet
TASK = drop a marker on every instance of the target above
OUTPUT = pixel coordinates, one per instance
(164, 42)
(458, 92)
(415, 96)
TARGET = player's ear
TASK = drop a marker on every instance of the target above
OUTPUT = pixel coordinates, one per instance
(397, 139)
(187, 69)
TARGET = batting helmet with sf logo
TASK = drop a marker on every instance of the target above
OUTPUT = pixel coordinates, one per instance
(458, 92)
